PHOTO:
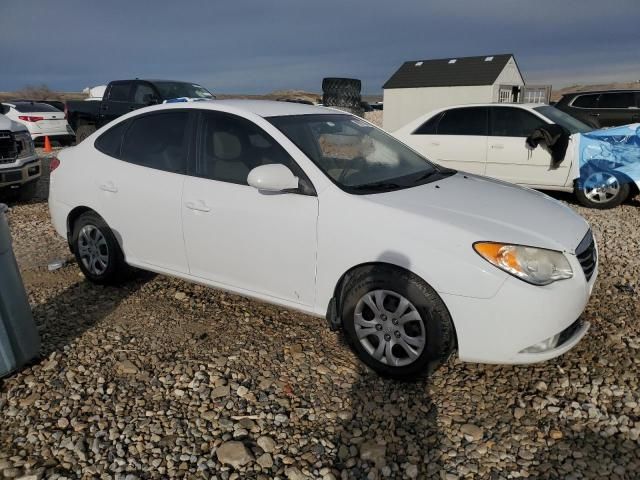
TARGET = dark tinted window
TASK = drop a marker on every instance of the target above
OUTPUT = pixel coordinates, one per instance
(513, 122)
(143, 93)
(429, 127)
(464, 121)
(586, 101)
(4, 109)
(617, 100)
(35, 107)
(233, 146)
(109, 142)
(158, 140)
(119, 92)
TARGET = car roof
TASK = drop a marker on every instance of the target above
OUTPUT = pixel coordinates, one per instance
(598, 92)
(262, 108)
(463, 105)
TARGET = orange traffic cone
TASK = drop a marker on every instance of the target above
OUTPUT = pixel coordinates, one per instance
(47, 145)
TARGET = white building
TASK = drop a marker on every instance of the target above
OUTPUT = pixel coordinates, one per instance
(420, 86)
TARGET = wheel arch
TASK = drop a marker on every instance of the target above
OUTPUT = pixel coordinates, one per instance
(335, 305)
(74, 214)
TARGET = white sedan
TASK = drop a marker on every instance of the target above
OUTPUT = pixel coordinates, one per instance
(489, 139)
(42, 120)
(317, 210)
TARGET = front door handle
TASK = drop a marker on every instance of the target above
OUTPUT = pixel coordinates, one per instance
(199, 207)
(108, 187)
(497, 147)
(435, 144)
(594, 114)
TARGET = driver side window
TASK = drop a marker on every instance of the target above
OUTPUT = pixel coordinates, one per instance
(231, 146)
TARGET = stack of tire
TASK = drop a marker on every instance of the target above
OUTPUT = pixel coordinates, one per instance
(343, 93)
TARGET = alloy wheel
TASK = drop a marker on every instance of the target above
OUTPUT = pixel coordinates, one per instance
(389, 328)
(601, 187)
(93, 250)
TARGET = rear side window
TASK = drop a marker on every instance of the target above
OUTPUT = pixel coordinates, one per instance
(513, 122)
(110, 141)
(233, 146)
(586, 101)
(429, 127)
(464, 121)
(617, 100)
(158, 140)
(119, 92)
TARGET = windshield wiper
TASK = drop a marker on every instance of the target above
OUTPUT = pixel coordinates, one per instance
(377, 186)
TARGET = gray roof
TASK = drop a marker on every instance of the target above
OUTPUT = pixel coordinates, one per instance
(445, 73)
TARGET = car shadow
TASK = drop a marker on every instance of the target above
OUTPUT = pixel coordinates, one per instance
(69, 312)
(392, 431)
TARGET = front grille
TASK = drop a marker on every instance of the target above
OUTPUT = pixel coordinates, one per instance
(587, 255)
(14, 176)
(8, 149)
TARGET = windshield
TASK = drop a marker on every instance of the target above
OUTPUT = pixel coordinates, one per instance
(169, 90)
(563, 119)
(355, 155)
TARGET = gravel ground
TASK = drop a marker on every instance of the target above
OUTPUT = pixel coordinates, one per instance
(162, 378)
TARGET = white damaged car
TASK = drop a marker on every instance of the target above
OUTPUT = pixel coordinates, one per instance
(320, 211)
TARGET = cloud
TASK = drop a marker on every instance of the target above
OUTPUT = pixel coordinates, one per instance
(255, 46)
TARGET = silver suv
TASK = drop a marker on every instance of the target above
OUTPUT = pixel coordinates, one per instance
(20, 167)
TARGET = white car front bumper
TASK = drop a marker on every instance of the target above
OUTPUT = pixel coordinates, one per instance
(501, 329)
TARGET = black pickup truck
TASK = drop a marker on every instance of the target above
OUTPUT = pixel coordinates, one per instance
(123, 96)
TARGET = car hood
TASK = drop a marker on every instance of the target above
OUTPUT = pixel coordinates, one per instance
(8, 124)
(491, 210)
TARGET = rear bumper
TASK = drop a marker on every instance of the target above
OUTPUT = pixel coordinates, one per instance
(522, 323)
(53, 136)
(25, 173)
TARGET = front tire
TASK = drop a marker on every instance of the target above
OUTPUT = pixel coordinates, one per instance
(97, 251)
(601, 189)
(395, 322)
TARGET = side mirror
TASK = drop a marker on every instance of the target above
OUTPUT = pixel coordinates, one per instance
(272, 178)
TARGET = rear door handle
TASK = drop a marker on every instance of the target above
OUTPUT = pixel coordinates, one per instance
(435, 144)
(199, 207)
(594, 114)
(108, 187)
(497, 147)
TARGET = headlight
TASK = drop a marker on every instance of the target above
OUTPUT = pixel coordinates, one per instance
(24, 144)
(538, 266)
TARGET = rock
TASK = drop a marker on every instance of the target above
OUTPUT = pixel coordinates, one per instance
(373, 452)
(233, 453)
(267, 444)
(126, 368)
(412, 471)
(221, 391)
(265, 460)
(518, 413)
(541, 386)
(63, 422)
(555, 434)
(294, 473)
(472, 432)
(242, 391)
(180, 296)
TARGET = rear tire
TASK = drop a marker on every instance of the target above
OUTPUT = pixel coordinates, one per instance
(97, 251)
(396, 323)
(84, 131)
(601, 188)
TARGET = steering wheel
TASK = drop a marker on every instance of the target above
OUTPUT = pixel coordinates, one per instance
(354, 165)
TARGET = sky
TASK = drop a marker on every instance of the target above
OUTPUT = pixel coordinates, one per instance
(242, 46)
